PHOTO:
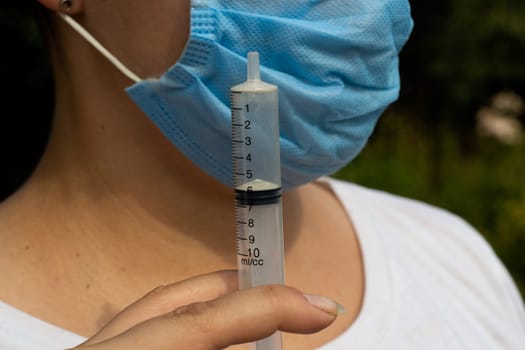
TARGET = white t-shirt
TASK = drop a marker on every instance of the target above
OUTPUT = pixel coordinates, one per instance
(431, 282)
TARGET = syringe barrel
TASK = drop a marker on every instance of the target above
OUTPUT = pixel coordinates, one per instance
(255, 133)
(260, 246)
(257, 179)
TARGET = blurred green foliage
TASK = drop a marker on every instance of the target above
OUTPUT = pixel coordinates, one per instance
(460, 54)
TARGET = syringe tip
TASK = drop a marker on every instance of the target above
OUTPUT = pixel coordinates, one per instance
(254, 71)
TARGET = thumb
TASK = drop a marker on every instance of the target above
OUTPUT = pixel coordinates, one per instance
(235, 318)
(164, 299)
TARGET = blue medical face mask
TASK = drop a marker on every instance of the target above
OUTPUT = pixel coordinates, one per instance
(335, 63)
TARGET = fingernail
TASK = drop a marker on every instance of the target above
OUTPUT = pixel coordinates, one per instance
(326, 304)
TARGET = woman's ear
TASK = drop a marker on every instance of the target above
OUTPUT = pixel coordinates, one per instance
(70, 7)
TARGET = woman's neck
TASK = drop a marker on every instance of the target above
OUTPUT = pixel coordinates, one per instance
(107, 163)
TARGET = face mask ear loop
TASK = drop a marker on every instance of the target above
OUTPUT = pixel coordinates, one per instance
(98, 46)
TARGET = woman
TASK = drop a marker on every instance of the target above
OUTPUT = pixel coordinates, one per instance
(114, 210)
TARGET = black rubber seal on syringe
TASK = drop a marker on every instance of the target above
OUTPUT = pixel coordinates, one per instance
(258, 197)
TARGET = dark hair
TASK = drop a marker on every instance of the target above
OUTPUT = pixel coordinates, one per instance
(27, 93)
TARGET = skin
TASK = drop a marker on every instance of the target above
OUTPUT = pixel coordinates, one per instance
(113, 210)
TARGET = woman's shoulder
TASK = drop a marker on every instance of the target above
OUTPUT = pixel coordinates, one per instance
(418, 225)
(419, 216)
(436, 256)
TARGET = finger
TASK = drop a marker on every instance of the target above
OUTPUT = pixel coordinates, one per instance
(236, 318)
(164, 299)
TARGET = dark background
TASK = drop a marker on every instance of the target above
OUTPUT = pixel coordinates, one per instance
(465, 60)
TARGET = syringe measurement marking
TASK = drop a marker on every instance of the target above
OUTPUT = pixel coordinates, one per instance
(253, 255)
(240, 126)
(252, 258)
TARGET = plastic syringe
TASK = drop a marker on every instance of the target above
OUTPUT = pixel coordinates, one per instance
(257, 182)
